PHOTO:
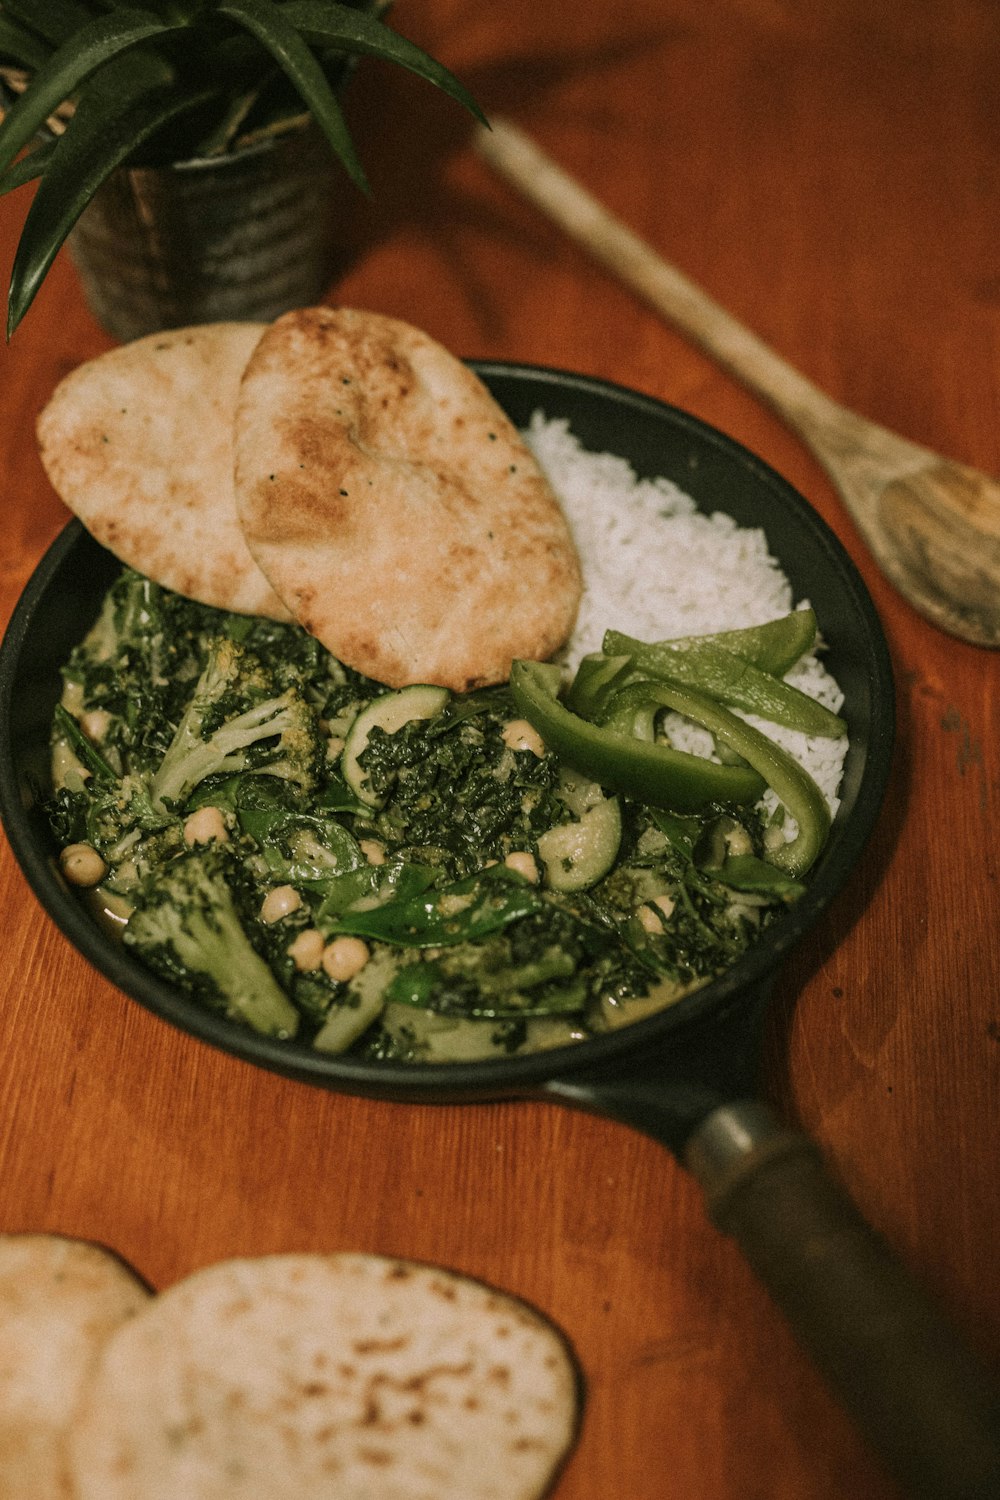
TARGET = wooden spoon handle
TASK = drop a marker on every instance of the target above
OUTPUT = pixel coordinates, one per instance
(932, 525)
(832, 431)
(516, 157)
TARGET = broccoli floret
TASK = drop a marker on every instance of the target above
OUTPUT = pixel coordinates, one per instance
(138, 664)
(122, 817)
(234, 722)
(186, 926)
(94, 803)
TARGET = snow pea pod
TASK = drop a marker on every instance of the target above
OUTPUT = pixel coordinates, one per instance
(787, 778)
(774, 647)
(731, 679)
(656, 775)
(745, 872)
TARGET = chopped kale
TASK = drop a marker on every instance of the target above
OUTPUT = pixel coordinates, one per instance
(177, 718)
(496, 798)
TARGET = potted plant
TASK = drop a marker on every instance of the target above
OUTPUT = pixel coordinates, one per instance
(187, 150)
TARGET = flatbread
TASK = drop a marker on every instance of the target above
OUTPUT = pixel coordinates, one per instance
(393, 505)
(59, 1301)
(138, 443)
(341, 1377)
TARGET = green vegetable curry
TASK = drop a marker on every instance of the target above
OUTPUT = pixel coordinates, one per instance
(419, 875)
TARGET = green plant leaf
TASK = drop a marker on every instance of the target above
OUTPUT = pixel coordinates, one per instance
(68, 67)
(356, 32)
(127, 102)
(22, 45)
(55, 20)
(31, 165)
(134, 67)
(267, 22)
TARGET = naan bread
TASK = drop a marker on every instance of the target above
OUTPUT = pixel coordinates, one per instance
(341, 1377)
(59, 1300)
(393, 505)
(138, 442)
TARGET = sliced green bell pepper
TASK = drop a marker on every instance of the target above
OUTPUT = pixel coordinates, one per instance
(788, 779)
(656, 775)
(722, 674)
(596, 678)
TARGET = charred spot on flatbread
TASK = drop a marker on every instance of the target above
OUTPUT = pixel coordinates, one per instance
(138, 444)
(394, 506)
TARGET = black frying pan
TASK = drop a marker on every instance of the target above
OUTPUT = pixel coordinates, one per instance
(686, 1076)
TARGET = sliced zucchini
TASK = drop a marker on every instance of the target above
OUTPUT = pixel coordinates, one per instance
(388, 713)
(576, 855)
(428, 1037)
(622, 1012)
(578, 792)
(363, 1005)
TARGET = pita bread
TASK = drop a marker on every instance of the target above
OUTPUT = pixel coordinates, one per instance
(341, 1377)
(138, 443)
(393, 505)
(59, 1300)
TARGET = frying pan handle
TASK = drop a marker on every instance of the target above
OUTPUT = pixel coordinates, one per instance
(901, 1371)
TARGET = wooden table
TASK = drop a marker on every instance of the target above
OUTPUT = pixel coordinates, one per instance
(832, 177)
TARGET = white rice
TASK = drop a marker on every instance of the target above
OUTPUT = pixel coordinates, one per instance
(655, 567)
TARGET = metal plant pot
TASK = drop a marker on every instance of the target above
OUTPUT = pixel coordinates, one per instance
(242, 237)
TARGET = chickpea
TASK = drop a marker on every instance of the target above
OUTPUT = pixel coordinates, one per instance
(280, 902)
(653, 913)
(206, 825)
(520, 735)
(95, 724)
(774, 837)
(72, 697)
(373, 851)
(738, 841)
(523, 863)
(82, 865)
(345, 957)
(306, 951)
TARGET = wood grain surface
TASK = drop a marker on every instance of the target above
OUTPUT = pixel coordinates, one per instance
(830, 172)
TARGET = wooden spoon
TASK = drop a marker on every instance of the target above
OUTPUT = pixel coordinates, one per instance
(933, 525)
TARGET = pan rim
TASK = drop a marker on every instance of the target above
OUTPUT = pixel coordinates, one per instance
(522, 1074)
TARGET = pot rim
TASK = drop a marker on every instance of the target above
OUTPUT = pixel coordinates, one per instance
(527, 1073)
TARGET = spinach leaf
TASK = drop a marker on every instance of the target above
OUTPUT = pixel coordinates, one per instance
(461, 912)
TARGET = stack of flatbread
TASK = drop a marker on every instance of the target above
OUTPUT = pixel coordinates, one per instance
(338, 468)
(312, 1377)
